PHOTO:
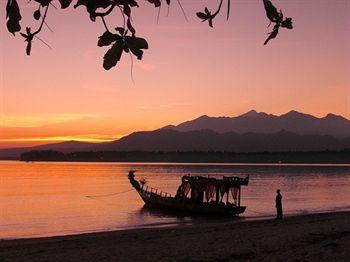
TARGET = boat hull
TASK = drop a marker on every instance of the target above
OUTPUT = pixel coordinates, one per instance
(186, 206)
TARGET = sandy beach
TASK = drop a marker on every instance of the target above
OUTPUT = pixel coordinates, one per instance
(314, 237)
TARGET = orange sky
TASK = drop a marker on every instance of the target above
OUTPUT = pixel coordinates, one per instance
(189, 70)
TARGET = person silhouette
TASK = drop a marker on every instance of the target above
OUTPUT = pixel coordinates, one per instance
(279, 205)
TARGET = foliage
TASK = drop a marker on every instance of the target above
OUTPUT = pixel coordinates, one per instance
(276, 17)
(122, 39)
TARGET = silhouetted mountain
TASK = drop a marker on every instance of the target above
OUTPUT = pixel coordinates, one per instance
(65, 147)
(207, 140)
(250, 132)
(253, 121)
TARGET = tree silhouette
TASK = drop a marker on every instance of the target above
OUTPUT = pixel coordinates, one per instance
(276, 17)
(122, 39)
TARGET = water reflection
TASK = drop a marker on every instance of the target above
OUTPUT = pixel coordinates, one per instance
(41, 199)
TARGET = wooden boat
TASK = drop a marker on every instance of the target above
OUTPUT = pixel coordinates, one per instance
(196, 194)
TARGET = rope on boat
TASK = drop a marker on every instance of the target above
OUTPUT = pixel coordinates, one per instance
(123, 192)
(107, 195)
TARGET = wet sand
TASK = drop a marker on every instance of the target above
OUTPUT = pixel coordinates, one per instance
(315, 237)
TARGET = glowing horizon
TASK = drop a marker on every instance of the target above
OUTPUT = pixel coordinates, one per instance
(91, 139)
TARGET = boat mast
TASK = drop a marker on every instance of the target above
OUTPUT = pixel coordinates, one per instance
(227, 195)
(239, 196)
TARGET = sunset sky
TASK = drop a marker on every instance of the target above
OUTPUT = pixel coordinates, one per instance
(189, 70)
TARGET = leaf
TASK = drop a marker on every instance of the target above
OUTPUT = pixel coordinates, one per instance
(287, 23)
(120, 30)
(13, 15)
(136, 42)
(202, 16)
(28, 38)
(156, 3)
(132, 3)
(272, 35)
(207, 15)
(65, 3)
(271, 11)
(37, 14)
(137, 52)
(113, 55)
(93, 5)
(43, 2)
(107, 39)
(277, 18)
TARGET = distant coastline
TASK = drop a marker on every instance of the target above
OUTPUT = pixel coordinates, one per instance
(311, 157)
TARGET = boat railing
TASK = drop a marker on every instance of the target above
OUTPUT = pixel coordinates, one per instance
(238, 180)
(155, 191)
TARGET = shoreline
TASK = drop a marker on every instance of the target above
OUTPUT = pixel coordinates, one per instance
(326, 156)
(321, 236)
(167, 225)
(292, 164)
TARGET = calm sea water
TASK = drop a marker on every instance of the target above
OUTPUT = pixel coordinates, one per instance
(47, 199)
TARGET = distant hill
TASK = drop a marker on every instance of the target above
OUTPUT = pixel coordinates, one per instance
(250, 132)
(206, 140)
(252, 121)
(65, 147)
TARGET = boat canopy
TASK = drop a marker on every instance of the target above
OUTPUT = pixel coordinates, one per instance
(226, 181)
(211, 189)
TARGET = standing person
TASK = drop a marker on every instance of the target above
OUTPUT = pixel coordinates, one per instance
(279, 205)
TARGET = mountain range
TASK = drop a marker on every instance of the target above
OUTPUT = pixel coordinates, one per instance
(252, 121)
(250, 132)
(208, 140)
